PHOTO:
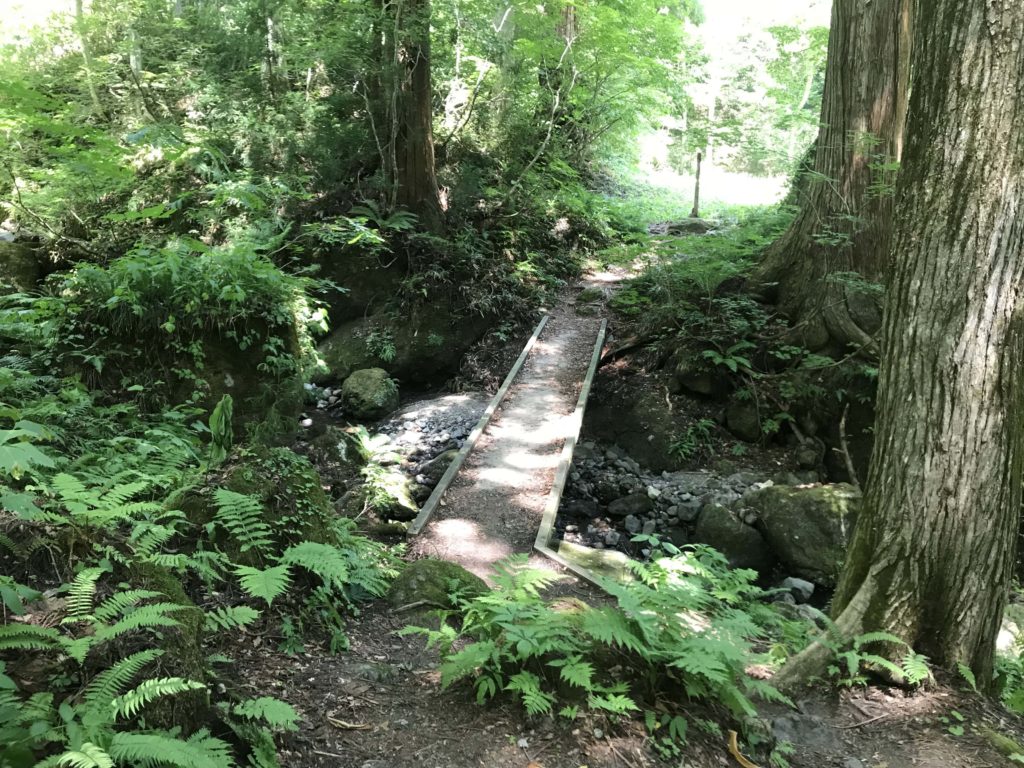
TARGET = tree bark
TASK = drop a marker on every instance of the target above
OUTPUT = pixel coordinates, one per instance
(844, 223)
(415, 174)
(933, 551)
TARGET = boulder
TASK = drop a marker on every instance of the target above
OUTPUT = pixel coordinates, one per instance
(21, 267)
(426, 346)
(696, 379)
(636, 504)
(369, 394)
(807, 527)
(743, 420)
(810, 454)
(741, 544)
(436, 583)
(800, 589)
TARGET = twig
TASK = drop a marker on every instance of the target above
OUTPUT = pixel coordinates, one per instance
(416, 604)
(862, 722)
(328, 754)
(844, 449)
(347, 725)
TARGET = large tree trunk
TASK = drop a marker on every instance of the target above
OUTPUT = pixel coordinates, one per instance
(415, 175)
(844, 224)
(933, 551)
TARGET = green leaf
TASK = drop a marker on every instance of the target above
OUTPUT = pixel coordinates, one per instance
(266, 584)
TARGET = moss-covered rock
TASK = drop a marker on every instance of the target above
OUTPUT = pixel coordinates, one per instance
(289, 488)
(742, 544)
(183, 652)
(369, 393)
(434, 582)
(21, 267)
(807, 527)
(426, 346)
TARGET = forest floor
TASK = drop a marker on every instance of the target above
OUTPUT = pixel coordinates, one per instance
(380, 704)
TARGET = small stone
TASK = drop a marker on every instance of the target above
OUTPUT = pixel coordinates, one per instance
(653, 492)
(631, 523)
(612, 538)
(523, 744)
(799, 588)
(852, 762)
(306, 423)
(649, 527)
(598, 733)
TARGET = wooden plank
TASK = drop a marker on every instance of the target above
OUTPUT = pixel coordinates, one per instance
(453, 469)
(547, 526)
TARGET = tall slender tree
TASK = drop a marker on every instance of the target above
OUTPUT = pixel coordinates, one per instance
(845, 219)
(409, 153)
(933, 551)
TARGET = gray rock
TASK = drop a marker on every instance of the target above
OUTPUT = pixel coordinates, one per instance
(612, 538)
(632, 523)
(743, 420)
(810, 454)
(649, 527)
(433, 470)
(634, 504)
(852, 762)
(580, 508)
(799, 588)
(679, 537)
(742, 545)
(689, 510)
(808, 528)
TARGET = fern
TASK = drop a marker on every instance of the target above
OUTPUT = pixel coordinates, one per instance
(120, 602)
(28, 637)
(81, 592)
(230, 618)
(325, 561)
(277, 714)
(266, 584)
(87, 756)
(109, 683)
(242, 517)
(154, 749)
(129, 704)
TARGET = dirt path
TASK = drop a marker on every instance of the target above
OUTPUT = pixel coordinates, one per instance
(494, 506)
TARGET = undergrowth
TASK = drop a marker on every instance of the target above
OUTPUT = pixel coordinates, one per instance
(683, 631)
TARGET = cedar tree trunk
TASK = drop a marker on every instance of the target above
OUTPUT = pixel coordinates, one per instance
(845, 219)
(933, 551)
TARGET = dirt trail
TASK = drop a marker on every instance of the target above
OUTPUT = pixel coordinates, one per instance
(494, 506)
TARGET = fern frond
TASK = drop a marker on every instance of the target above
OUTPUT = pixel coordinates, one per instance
(325, 561)
(278, 714)
(242, 517)
(150, 750)
(87, 756)
(28, 637)
(264, 584)
(231, 617)
(108, 684)
(81, 592)
(144, 617)
(119, 602)
(129, 704)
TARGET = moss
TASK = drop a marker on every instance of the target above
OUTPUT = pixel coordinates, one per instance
(183, 652)
(433, 582)
(295, 504)
(588, 295)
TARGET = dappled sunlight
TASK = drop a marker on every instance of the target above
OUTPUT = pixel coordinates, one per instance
(462, 541)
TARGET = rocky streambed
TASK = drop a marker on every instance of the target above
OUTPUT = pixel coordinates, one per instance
(784, 525)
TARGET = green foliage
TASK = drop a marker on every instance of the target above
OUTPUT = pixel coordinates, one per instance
(695, 440)
(685, 624)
